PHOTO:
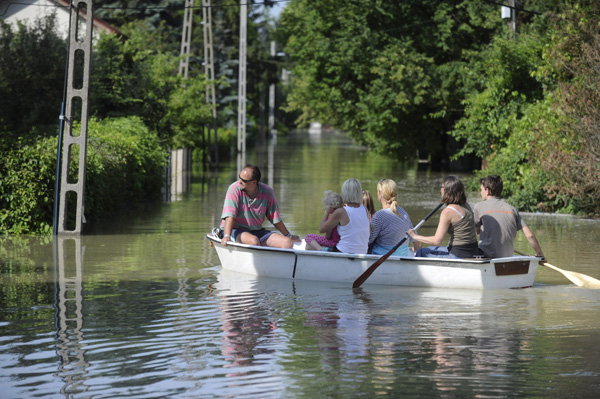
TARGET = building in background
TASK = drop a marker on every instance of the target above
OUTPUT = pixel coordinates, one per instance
(28, 11)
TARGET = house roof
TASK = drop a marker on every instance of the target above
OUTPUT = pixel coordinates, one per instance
(28, 11)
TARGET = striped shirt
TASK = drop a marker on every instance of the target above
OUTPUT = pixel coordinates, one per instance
(250, 213)
(387, 228)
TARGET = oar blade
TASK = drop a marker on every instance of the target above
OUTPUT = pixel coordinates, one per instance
(578, 279)
(363, 277)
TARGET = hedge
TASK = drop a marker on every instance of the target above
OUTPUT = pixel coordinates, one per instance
(125, 167)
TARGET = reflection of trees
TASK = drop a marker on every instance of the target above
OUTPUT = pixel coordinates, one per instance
(27, 277)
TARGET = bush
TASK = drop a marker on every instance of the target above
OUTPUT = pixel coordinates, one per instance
(125, 165)
(27, 187)
(523, 179)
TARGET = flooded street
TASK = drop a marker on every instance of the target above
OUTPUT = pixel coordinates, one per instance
(140, 308)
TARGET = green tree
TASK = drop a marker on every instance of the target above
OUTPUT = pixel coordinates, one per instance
(570, 152)
(136, 74)
(509, 68)
(390, 74)
(32, 73)
(189, 113)
(152, 12)
(162, 21)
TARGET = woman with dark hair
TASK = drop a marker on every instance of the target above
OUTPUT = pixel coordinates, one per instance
(457, 220)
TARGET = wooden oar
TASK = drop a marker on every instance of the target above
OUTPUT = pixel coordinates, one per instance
(578, 279)
(361, 279)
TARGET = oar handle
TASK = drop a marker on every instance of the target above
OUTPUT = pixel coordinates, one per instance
(415, 229)
(542, 259)
(428, 216)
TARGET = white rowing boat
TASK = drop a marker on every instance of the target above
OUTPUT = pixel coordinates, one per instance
(298, 263)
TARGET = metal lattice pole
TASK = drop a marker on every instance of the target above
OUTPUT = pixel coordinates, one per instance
(78, 79)
(241, 143)
(186, 38)
(209, 70)
(272, 131)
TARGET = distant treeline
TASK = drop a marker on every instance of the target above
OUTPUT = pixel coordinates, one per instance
(451, 78)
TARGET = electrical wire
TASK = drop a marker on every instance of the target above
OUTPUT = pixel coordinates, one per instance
(10, 3)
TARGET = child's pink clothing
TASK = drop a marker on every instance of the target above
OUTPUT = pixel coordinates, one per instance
(324, 241)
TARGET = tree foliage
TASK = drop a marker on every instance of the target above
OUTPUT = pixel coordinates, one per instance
(390, 74)
(163, 21)
(570, 153)
(27, 185)
(32, 72)
(137, 74)
(542, 134)
(124, 166)
(510, 86)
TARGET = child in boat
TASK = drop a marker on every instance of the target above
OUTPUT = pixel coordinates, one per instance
(331, 202)
(369, 204)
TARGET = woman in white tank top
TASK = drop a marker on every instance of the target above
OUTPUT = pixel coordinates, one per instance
(352, 221)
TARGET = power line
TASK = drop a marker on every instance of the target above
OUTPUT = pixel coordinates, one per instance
(196, 7)
(520, 9)
(8, 4)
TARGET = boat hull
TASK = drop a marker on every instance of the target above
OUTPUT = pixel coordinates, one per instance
(297, 263)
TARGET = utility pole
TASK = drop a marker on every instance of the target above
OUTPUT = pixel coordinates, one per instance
(72, 193)
(514, 18)
(186, 39)
(510, 14)
(272, 131)
(241, 133)
(209, 71)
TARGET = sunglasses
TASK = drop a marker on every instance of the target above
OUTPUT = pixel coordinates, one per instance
(244, 180)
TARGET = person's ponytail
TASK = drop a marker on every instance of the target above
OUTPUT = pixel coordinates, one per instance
(394, 205)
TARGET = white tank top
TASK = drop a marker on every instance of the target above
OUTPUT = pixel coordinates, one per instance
(354, 237)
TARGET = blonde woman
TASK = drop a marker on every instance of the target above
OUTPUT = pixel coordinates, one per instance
(390, 224)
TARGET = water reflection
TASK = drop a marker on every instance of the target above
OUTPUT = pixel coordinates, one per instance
(178, 174)
(70, 349)
(379, 337)
(247, 324)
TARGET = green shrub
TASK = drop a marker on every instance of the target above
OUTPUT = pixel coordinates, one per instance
(523, 179)
(125, 165)
(27, 180)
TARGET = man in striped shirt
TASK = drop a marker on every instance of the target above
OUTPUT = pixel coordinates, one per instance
(247, 203)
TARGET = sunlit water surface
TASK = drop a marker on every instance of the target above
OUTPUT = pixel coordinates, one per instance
(140, 308)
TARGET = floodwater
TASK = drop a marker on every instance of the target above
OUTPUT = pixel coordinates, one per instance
(140, 308)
